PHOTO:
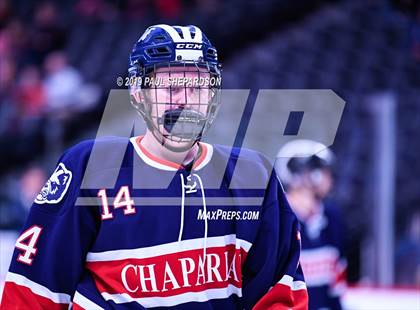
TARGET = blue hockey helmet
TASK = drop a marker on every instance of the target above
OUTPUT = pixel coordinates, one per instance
(163, 47)
(162, 44)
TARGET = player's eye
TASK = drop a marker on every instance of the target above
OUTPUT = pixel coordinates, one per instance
(176, 90)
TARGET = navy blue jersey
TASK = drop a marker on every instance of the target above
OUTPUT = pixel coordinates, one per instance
(162, 236)
(322, 258)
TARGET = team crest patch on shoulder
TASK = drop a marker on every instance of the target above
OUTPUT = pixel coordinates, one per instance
(56, 187)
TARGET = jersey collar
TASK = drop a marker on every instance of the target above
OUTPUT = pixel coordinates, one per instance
(163, 164)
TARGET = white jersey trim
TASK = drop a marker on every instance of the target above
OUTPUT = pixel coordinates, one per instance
(319, 265)
(85, 303)
(168, 248)
(150, 302)
(208, 157)
(294, 285)
(38, 289)
(148, 160)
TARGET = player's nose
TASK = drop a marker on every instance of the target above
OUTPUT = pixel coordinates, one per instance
(178, 97)
(182, 96)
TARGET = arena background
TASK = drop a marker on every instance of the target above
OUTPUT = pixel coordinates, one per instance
(59, 60)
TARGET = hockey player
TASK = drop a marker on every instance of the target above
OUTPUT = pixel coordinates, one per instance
(163, 235)
(308, 181)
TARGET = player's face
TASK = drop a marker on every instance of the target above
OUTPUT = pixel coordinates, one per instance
(322, 182)
(178, 90)
(179, 87)
(303, 201)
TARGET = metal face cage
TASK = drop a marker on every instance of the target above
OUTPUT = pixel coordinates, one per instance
(179, 99)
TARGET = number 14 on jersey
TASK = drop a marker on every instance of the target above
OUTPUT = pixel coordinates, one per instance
(122, 200)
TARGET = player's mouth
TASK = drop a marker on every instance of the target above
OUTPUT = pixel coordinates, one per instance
(182, 123)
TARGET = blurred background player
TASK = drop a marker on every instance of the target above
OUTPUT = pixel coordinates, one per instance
(308, 182)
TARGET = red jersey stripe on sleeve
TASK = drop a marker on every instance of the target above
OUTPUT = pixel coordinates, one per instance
(16, 296)
(77, 307)
(21, 293)
(286, 294)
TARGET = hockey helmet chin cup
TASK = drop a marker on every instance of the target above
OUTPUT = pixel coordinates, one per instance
(183, 123)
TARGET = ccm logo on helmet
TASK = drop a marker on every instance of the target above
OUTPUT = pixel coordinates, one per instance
(193, 46)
